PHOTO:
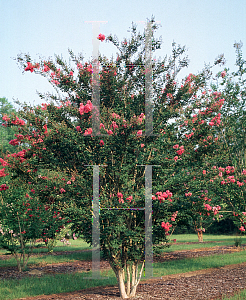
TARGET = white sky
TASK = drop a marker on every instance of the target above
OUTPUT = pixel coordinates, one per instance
(47, 27)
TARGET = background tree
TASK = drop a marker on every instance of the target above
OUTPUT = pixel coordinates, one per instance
(6, 133)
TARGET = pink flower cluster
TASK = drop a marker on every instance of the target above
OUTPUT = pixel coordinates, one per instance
(31, 67)
(166, 226)
(174, 216)
(207, 207)
(18, 121)
(216, 120)
(216, 209)
(88, 131)
(3, 162)
(114, 115)
(46, 67)
(223, 74)
(3, 187)
(242, 229)
(114, 125)
(216, 105)
(85, 108)
(101, 37)
(188, 194)
(120, 196)
(87, 68)
(163, 196)
(189, 135)
(14, 142)
(2, 174)
(180, 151)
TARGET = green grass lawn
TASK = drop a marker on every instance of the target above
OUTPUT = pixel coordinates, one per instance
(78, 244)
(216, 240)
(239, 296)
(61, 283)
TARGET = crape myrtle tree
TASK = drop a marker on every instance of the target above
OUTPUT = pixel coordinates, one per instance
(24, 219)
(197, 128)
(6, 133)
(229, 168)
(61, 139)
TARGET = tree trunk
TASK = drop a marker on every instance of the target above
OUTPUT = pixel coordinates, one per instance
(200, 236)
(121, 283)
(129, 290)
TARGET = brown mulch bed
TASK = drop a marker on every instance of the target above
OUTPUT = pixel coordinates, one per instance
(207, 284)
(204, 284)
(85, 266)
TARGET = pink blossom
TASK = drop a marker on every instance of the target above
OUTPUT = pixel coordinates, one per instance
(175, 158)
(142, 145)
(29, 67)
(110, 132)
(101, 37)
(129, 198)
(139, 132)
(62, 190)
(204, 172)
(114, 125)
(101, 143)
(176, 146)
(14, 142)
(207, 207)
(69, 182)
(180, 151)
(188, 194)
(81, 108)
(88, 131)
(88, 107)
(78, 128)
(119, 195)
(166, 226)
(114, 115)
(3, 187)
(223, 74)
(242, 228)
(121, 200)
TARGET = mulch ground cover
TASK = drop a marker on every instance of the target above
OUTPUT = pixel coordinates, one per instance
(203, 284)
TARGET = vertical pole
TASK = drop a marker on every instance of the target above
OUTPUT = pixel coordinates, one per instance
(95, 82)
(148, 223)
(148, 81)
